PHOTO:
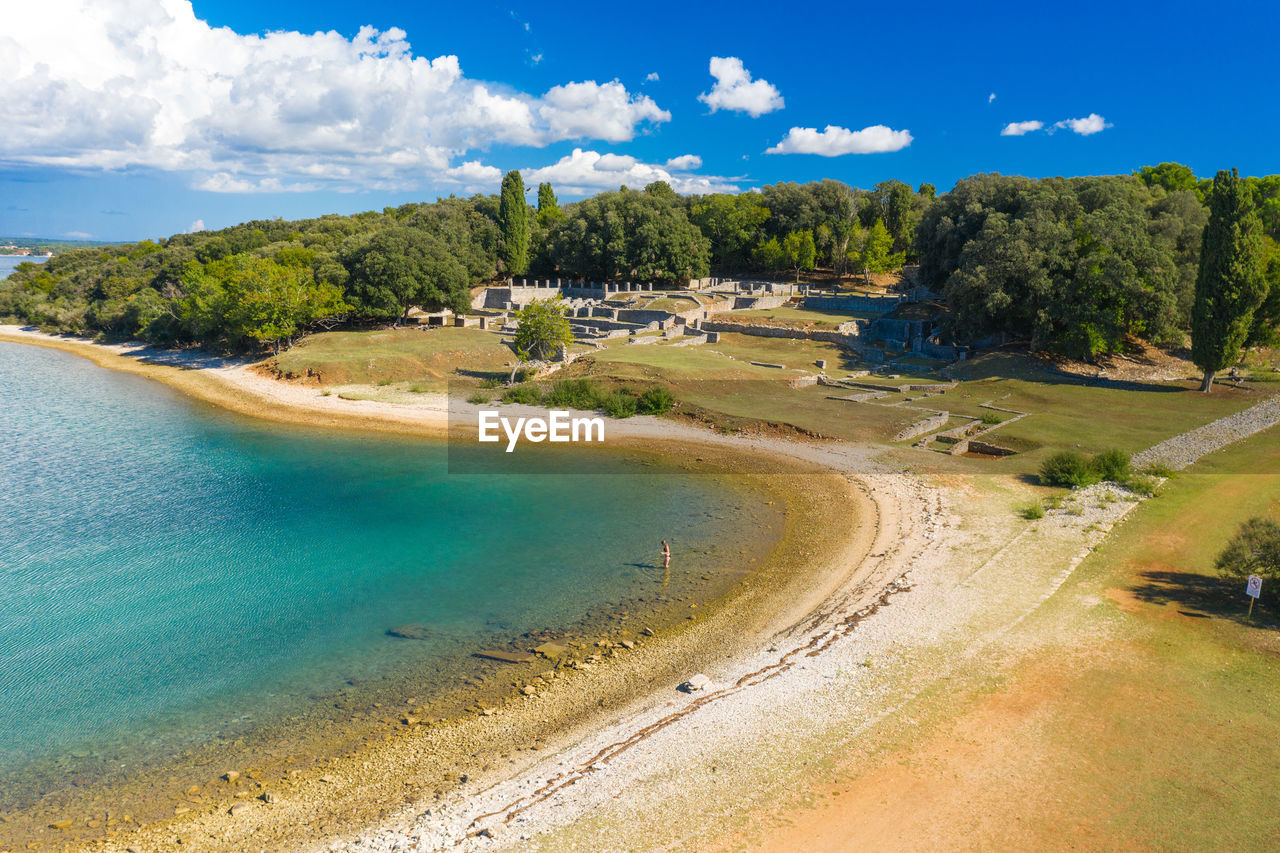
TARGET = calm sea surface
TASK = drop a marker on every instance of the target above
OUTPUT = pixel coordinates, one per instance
(9, 262)
(171, 574)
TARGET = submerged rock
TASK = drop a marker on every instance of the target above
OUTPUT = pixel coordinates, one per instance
(411, 632)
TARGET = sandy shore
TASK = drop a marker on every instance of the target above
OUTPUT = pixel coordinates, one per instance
(851, 533)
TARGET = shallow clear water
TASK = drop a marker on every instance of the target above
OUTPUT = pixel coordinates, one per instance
(165, 566)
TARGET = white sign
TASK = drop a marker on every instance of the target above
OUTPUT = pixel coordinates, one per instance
(560, 427)
(1254, 587)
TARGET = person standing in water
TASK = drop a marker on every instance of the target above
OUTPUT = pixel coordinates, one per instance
(666, 555)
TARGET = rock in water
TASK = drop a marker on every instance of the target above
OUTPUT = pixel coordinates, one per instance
(695, 684)
(505, 656)
(411, 632)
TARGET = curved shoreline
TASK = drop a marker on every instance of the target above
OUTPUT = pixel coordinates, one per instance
(836, 575)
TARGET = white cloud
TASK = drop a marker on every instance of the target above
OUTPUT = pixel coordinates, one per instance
(685, 162)
(651, 77)
(991, 97)
(835, 141)
(1087, 126)
(474, 176)
(196, 226)
(586, 172)
(77, 235)
(735, 90)
(1021, 128)
(145, 83)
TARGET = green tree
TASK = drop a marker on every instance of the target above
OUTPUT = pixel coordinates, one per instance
(1172, 176)
(1254, 550)
(1230, 285)
(732, 223)
(770, 255)
(1265, 330)
(513, 218)
(800, 251)
(549, 211)
(876, 254)
(543, 327)
(403, 267)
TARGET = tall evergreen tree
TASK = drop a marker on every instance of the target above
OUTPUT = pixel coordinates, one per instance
(1230, 285)
(549, 211)
(513, 218)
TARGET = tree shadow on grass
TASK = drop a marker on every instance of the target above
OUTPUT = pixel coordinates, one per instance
(1200, 596)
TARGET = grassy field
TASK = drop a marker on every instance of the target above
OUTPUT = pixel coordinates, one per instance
(799, 316)
(428, 358)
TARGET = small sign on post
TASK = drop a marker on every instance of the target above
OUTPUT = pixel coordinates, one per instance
(1253, 589)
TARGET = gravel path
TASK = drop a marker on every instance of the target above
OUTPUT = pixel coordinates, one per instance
(1182, 450)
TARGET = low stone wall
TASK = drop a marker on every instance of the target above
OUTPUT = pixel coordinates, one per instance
(826, 335)
(854, 302)
(919, 428)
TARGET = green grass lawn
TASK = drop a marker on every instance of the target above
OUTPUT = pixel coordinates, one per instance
(1172, 738)
(798, 316)
(425, 357)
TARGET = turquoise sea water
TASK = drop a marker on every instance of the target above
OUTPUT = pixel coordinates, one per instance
(166, 567)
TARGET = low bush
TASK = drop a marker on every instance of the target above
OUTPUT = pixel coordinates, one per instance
(1142, 484)
(1255, 550)
(1112, 466)
(991, 418)
(1157, 469)
(573, 394)
(478, 399)
(526, 393)
(1032, 510)
(1068, 469)
(619, 404)
(657, 400)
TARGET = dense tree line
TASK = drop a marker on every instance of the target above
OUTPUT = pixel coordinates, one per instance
(1072, 264)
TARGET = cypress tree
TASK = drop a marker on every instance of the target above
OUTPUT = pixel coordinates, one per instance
(1230, 285)
(549, 211)
(513, 218)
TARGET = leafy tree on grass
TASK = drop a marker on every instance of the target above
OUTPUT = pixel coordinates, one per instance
(1254, 550)
(876, 254)
(543, 329)
(1230, 284)
(513, 218)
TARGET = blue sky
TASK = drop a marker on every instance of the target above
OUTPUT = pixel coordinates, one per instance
(135, 118)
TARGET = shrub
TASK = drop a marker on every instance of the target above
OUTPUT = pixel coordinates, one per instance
(478, 399)
(574, 394)
(1157, 469)
(1254, 550)
(490, 382)
(1069, 469)
(1112, 466)
(382, 383)
(991, 418)
(526, 393)
(419, 388)
(1032, 510)
(1142, 484)
(619, 404)
(657, 400)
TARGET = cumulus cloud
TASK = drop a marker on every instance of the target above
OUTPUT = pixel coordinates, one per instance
(196, 226)
(835, 141)
(685, 162)
(651, 77)
(991, 97)
(586, 172)
(145, 83)
(1087, 126)
(1021, 128)
(735, 90)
